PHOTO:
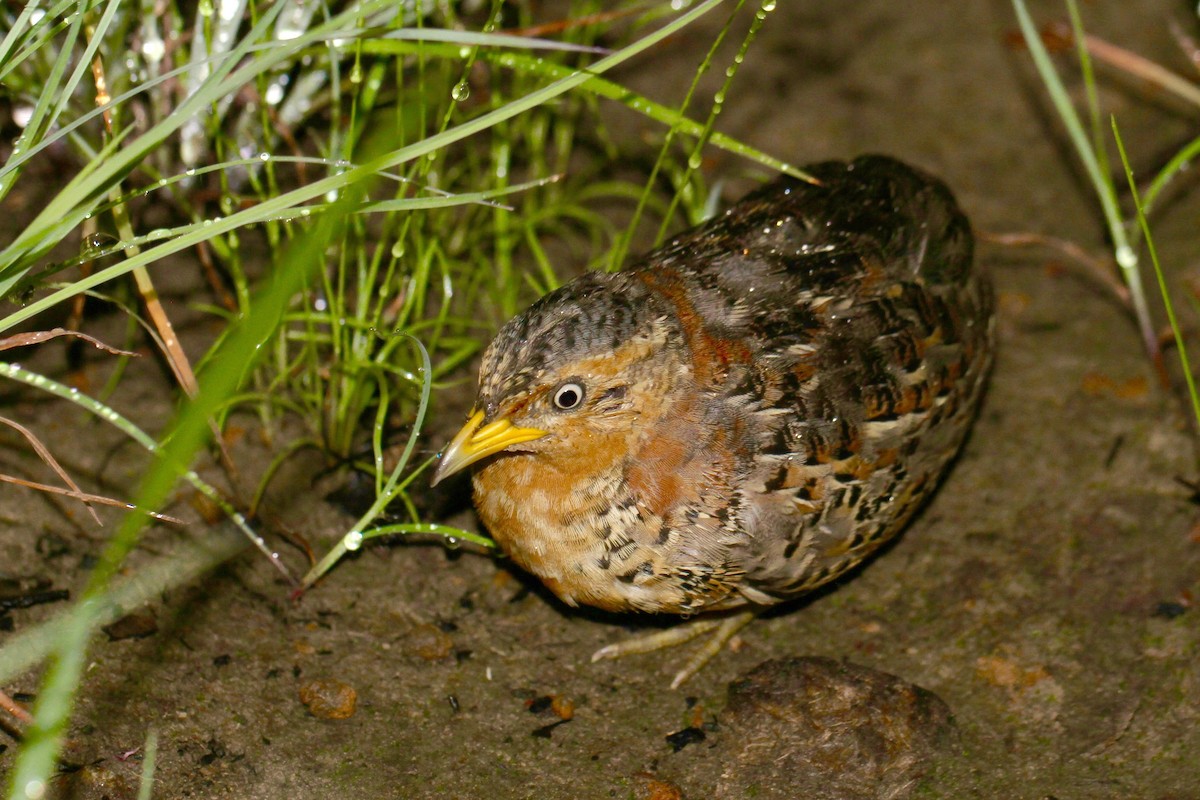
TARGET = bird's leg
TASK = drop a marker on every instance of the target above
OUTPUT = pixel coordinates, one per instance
(723, 630)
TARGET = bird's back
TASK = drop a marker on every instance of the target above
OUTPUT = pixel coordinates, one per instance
(845, 326)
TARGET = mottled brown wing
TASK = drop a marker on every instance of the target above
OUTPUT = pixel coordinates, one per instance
(869, 339)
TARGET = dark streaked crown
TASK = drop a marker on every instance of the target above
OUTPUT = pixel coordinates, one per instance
(591, 315)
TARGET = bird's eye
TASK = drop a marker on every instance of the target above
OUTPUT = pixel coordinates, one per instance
(568, 396)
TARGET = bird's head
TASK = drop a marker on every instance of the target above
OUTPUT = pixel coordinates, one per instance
(585, 361)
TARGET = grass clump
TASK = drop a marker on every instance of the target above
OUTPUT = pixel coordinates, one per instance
(1128, 231)
(367, 191)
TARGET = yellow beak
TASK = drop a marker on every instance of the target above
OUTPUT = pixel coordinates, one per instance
(473, 443)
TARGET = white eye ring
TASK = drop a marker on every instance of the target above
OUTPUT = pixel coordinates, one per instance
(568, 396)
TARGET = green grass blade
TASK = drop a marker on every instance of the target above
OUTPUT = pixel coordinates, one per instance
(149, 757)
(84, 64)
(39, 749)
(1089, 84)
(21, 26)
(24, 650)
(617, 257)
(100, 411)
(483, 39)
(42, 115)
(334, 183)
(1176, 166)
(387, 493)
(221, 377)
(1106, 193)
(601, 87)
(1176, 331)
(84, 190)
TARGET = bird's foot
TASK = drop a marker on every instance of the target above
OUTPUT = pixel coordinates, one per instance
(723, 629)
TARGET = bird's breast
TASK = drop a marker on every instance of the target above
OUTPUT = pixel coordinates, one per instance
(567, 524)
(631, 529)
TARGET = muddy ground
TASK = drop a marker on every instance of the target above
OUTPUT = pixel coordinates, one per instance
(1042, 600)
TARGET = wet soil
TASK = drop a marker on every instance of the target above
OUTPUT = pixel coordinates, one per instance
(1033, 627)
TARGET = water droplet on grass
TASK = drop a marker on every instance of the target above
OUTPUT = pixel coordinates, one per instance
(21, 115)
(153, 50)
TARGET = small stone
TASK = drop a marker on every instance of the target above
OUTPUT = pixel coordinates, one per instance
(538, 705)
(648, 787)
(97, 782)
(431, 643)
(329, 699)
(681, 739)
(1169, 610)
(203, 505)
(562, 706)
(137, 625)
(824, 730)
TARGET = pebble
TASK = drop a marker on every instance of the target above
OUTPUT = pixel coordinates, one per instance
(827, 730)
(430, 642)
(329, 699)
(137, 625)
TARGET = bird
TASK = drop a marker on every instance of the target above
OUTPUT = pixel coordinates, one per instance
(745, 413)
